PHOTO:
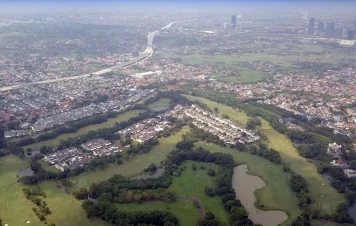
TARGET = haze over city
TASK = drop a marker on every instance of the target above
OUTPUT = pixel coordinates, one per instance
(167, 113)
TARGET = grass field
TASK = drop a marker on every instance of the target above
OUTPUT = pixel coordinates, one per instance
(133, 166)
(192, 183)
(189, 184)
(110, 122)
(296, 53)
(15, 209)
(276, 195)
(324, 196)
(163, 102)
(238, 116)
(66, 210)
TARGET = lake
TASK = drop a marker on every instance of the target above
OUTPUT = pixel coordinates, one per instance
(245, 185)
(25, 173)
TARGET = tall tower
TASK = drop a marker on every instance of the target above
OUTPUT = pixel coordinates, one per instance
(217, 29)
(233, 21)
(330, 30)
(350, 34)
(320, 27)
(355, 23)
(311, 26)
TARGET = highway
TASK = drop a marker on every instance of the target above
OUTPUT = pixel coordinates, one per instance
(147, 53)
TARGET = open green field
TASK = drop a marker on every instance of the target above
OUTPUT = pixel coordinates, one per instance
(163, 102)
(238, 116)
(9, 167)
(276, 195)
(302, 52)
(192, 183)
(189, 184)
(134, 165)
(110, 122)
(66, 210)
(245, 75)
(324, 196)
(15, 209)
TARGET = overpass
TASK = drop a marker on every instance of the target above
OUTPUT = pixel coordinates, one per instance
(146, 54)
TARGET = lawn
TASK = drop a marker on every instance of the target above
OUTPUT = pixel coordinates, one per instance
(66, 210)
(276, 195)
(189, 184)
(161, 103)
(15, 209)
(192, 183)
(9, 167)
(324, 196)
(238, 116)
(245, 75)
(110, 122)
(134, 165)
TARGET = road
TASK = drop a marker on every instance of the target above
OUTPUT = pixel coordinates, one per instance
(147, 53)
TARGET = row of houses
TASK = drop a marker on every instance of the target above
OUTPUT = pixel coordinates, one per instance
(225, 129)
(145, 129)
(74, 157)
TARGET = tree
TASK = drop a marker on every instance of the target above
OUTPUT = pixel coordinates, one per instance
(151, 168)
(211, 172)
(194, 167)
(216, 110)
(209, 216)
(353, 164)
(81, 194)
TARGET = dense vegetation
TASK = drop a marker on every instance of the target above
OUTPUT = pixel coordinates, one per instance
(311, 144)
(120, 189)
(34, 195)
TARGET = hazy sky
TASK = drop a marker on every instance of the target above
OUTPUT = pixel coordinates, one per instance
(32, 6)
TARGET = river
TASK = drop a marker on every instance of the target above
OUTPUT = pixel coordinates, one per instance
(245, 185)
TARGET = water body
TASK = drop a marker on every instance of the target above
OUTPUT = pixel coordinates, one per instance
(159, 172)
(245, 185)
(25, 173)
(158, 109)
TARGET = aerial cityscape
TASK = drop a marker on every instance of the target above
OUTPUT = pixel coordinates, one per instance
(167, 113)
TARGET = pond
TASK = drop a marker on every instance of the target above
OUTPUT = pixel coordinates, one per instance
(158, 109)
(159, 172)
(245, 185)
(25, 173)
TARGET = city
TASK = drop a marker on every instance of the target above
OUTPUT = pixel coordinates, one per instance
(178, 113)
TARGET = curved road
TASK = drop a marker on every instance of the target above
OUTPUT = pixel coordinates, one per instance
(147, 53)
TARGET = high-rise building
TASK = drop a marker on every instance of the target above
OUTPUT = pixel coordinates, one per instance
(330, 30)
(217, 29)
(355, 23)
(320, 27)
(350, 34)
(311, 26)
(233, 21)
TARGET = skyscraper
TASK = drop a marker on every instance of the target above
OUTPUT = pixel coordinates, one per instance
(350, 34)
(217, 29)
(330, 30)
(233, 21)
(311, 26)
(355, 23)
(320, 27)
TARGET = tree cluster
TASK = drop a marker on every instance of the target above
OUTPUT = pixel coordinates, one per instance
(34, 194)
(108, 212)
